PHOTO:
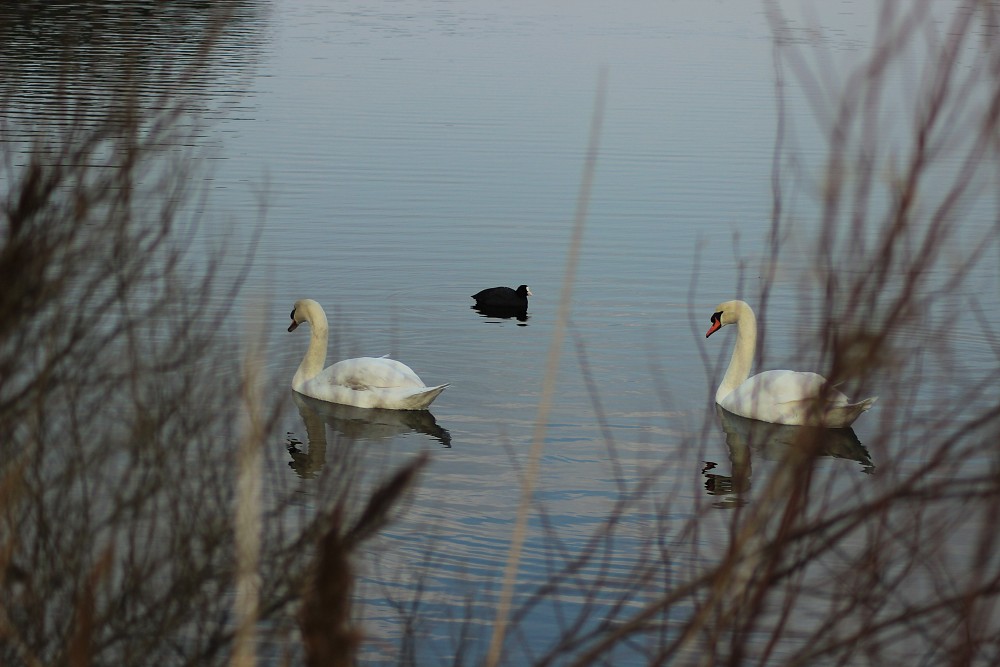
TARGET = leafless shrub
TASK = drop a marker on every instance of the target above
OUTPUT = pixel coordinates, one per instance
(120, 403)
(898, 565)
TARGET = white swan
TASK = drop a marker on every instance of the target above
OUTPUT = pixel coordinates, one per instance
(365, 382)
(779, 397)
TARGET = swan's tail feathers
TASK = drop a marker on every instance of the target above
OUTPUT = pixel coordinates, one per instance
(842, 416)
(867, 403)
(421, 399)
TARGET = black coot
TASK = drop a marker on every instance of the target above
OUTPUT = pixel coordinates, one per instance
(503, 297)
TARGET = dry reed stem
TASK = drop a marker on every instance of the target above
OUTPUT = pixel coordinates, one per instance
(548, 383)
(247, 516)
(330, 638)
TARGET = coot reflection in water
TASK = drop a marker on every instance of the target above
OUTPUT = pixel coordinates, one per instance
(503, 313)
(776, 442)
(355, 425)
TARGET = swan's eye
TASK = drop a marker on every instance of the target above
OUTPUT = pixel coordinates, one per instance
(716, 316)
(293, 313)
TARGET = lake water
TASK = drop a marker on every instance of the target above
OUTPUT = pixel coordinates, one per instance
(398, 157)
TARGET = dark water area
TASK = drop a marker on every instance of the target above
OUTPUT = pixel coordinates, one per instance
(66, 61)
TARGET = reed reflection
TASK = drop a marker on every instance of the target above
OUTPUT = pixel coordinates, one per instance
(355, 425)
(746, 438)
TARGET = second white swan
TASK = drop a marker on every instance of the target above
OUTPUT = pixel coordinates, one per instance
(365, 382)
(779, 397)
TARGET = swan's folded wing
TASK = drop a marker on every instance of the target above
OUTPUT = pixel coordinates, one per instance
(780, 386)
(372, 372)
(789, 397)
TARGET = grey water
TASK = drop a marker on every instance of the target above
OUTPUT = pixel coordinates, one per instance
(394, 158)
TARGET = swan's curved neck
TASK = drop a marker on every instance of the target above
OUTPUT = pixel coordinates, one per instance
(315, 357)
(742, 359)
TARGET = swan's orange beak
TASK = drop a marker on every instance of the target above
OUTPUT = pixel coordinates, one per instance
(716, 325)
(291, 327)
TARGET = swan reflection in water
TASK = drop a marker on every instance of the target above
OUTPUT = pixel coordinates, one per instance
(775, 442)
(353, 424)
(503, 313)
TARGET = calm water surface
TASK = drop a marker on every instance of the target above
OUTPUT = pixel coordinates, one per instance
(404, 156)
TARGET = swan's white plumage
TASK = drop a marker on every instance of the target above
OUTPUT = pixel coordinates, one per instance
(365, 382)
(779, 397)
